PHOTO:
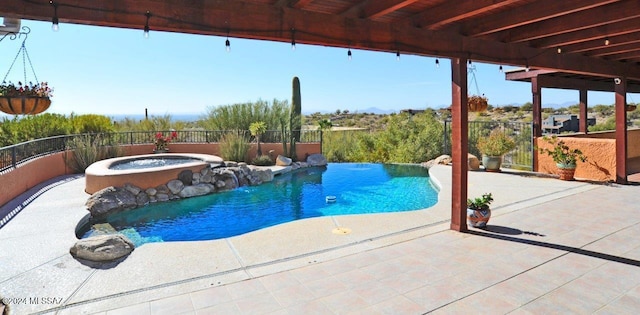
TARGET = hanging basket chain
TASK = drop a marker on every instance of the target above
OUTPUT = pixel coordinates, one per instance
(25, 58)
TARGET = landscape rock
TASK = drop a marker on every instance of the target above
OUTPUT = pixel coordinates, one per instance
(151, 191)
(474, 163)
(110, 199)
(102, 248)
(316, 160)
(428, 164)
(265, 175)
(132, 188)
(283, 161)
(230, 164)
(162, 189)
(142, 199)
(205, 178)
(443, 159)
(186, 177)
(175, 186)
(196, 190)
(196, 178)
(162, 197)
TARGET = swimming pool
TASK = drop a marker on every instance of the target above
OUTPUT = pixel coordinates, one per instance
(359, 188)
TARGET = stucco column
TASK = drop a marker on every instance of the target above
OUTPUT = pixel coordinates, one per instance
(459, 144)
(621, 130)
(584, 126)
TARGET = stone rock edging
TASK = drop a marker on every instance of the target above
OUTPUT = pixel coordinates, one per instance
(188, 184)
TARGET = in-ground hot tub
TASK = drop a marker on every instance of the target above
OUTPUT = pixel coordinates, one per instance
(144, 171)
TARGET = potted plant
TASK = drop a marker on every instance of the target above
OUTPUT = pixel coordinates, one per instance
(24, 99)
(161, 142)
(565, 157)
(477, 103)
(493, 147)
(478, 211)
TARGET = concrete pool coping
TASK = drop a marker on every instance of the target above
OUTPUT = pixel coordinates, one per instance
(35, 262)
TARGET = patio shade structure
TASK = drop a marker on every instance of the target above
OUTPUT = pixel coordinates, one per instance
(584, 37)
(583, 83)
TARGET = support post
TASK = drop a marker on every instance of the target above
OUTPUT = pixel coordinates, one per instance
(459, 144)
(621, 130)
(536, 91)
(584, 124)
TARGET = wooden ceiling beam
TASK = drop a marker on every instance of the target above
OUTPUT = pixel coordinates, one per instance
(519, 75)
(299, 4)
(550, 80)
(594, 33)
(596, 17)
(527, 14)
(614, 49)
(371, 9)
(446, 13)
(631, 56)
(599, 43)
(267, 22)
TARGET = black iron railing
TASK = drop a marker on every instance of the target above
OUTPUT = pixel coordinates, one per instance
(14, 155)
(519, 158)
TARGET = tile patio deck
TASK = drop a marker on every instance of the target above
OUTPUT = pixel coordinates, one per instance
(551, 247)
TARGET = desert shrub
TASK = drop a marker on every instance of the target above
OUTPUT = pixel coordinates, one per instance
(85, 150)
(262, 160)
(234, 146)
(241, 115)
(90, 123)
(406, 139)
(609, 124)
(339, 146)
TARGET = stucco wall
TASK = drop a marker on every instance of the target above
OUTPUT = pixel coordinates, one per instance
(30, 174)
(633, 140)
(600, 153)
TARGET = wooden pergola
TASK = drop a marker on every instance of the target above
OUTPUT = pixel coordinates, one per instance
(594, 38)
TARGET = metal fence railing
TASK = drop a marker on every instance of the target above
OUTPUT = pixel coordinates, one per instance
(14, 155)
(519, 158)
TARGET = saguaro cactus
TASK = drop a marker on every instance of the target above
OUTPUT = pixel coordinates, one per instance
(295, 118)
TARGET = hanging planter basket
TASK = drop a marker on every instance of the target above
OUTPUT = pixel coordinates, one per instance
(24, 105)
(631, 108)
(477, 103)
(27, 98)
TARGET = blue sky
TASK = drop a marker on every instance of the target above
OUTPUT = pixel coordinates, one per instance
(118, 72)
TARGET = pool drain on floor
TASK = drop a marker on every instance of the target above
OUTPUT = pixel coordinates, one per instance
(341, 230)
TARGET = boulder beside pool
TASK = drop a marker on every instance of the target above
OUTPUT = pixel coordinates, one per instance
(316, 160)
(102, 248)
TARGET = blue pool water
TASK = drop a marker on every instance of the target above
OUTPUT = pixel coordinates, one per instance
(149, 163)
(358, 188)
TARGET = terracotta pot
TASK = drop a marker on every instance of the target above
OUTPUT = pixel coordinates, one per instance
(24, 105)
(478, 218)
(566, 171)
(491, 163)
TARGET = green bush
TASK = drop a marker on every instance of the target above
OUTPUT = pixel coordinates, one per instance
(234, 146)
(406, 139)
(262, 160)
